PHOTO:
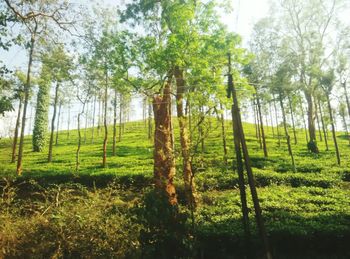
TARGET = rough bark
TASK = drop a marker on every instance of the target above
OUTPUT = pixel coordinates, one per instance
(164, 161)
(49, 158)
(184, 138)
(93, 121)
(15, 137)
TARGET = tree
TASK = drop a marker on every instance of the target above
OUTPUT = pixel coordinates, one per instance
(59, 65)
(42, 110)
(35, 18)
(327, 80)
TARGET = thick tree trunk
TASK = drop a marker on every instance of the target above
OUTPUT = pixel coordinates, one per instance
(104, 158)
(49, 159)
(15, 137)
(333, 129)
(164, 161)
(290, 151)
(324, 129)
(26, 100)
(292, 117)
(261, 124)
(114, 122)
(184, 139)
(58, 123)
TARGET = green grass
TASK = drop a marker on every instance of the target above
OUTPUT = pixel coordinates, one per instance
(309, 209)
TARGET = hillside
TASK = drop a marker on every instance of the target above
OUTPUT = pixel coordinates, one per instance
(307, 213)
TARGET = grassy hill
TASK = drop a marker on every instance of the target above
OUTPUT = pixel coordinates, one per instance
(307, 213)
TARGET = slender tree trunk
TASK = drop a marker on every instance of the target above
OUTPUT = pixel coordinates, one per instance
(311, 119)
(345, 127)
(241, 183)
(93, 121)
(333, 128)
(30, 120)
(261, 125)
(318, 122)
(223, 134)
(276, 118)
(68, 121)
(184, 139)
(257, 131)
(86, 122)
(99, 115)
(346, 97)
(293, 123)
(114, 122)
(251, 181)
(304, 122)
(15, 137)
(164, 161)
(58, 123)
(26, 100)
(120, 116)
(290, 151)
(77, 154)
(323, 125)
(271, 119)
(150, 121)
(104, 159)
(49, 159)
(258, 126)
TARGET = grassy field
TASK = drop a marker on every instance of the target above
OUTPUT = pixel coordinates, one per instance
(307, 213)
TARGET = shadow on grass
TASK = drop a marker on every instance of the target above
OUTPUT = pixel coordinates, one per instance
(290, 234)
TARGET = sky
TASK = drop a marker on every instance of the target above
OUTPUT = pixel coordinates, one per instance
(245, 14)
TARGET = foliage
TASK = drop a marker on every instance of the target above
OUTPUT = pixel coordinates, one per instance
(42, 111)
